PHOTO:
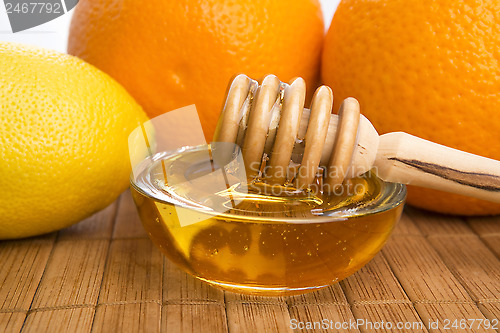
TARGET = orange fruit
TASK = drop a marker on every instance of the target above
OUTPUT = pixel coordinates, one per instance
(429, 68)
(169, 54)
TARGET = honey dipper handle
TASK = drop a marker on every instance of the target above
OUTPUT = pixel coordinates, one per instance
(406, 159)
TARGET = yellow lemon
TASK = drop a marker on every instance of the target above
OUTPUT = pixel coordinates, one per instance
(63, 140)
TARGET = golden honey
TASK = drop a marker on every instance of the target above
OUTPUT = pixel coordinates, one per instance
(271, 240)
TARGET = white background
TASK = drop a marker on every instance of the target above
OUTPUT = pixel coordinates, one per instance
(54, 34)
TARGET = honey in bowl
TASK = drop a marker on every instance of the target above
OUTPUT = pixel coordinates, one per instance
(311, 197)
(268, 240)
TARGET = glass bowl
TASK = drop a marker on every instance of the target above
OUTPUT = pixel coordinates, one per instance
(261, 253)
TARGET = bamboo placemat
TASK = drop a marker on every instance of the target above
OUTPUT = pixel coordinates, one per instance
(105, 275)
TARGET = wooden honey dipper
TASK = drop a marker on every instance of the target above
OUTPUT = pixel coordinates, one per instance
(270, 120)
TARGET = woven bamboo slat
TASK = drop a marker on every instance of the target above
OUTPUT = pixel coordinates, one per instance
(105, 275)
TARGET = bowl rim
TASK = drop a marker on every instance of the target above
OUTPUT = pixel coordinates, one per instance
(394, 195)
